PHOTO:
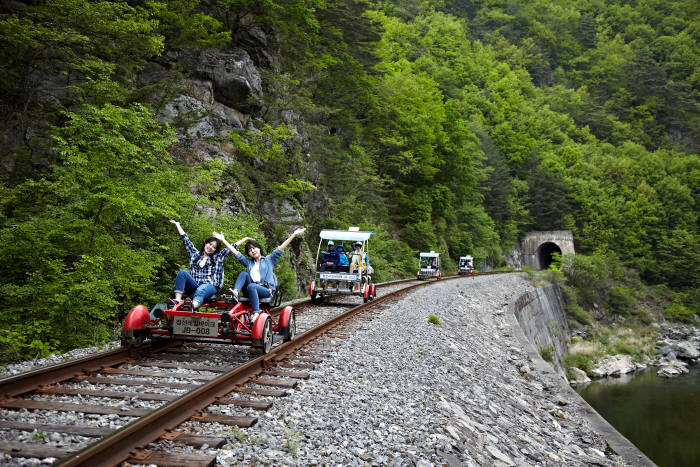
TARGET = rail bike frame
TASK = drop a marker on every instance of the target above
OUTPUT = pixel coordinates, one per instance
(219, 320)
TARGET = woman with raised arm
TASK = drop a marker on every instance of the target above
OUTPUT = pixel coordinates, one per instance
(258, 279)
(206, 274)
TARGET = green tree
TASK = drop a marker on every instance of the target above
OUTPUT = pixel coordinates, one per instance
(83, 238)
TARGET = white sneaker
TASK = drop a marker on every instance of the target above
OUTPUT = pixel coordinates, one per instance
(233, 293)
(254, 317)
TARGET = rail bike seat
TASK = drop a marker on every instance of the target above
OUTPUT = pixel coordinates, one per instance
(273, 301)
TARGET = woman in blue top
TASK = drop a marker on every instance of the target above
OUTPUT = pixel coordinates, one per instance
(258, 279)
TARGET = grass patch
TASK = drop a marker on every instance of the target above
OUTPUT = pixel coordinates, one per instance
(432, 319)
(634, 341)
(579, 314)
(587, 348)
(547, 353)
(292, 441)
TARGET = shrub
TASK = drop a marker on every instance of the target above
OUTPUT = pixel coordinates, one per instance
(627, 348)
(587, 274)
(601, 336)
(678, 312)
(620, 300)
(579, 314)
(554, 328)
(553, 276)
(644, 316)
(292, 442)
(432, 319)
(579, 360)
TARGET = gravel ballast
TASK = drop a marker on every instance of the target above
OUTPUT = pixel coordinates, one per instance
(403, 391)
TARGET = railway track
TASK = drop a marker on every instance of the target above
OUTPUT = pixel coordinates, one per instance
(112, 405)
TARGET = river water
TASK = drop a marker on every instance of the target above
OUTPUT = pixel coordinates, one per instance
(660, 416)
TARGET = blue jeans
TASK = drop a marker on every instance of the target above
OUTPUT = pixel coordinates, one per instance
(185, 284)
(254, 291)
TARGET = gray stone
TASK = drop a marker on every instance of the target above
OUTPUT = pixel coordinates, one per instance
(686, 350)
(614, 365)
(579, 376)
(236, 81)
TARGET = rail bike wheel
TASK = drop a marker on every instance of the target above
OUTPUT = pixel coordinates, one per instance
(264, 344)
(290, 331)
(316, 298)
(132, 337)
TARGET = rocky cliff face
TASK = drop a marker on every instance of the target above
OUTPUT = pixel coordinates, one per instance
(210, 94)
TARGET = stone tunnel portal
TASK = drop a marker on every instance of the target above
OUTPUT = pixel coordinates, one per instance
(535, 250)
(544, 254)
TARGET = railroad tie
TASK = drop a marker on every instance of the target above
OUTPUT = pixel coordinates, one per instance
(305, 359)
(113, 394)
(39, 451)
(298, 366)
(257, 405)
(155, 374)
(243, 422)
(261, 391)
(132, 382)
(167, 459)
(287, 374)
(196, 441)
(185, 366)
(277, 382)
(66, 407)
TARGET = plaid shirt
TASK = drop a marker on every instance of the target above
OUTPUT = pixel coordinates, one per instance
(213, 270)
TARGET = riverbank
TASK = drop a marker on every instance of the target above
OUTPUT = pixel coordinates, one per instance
(674, 349)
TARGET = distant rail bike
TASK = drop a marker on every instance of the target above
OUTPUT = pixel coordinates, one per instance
(429, 266)
(337, 277)
(466, 265)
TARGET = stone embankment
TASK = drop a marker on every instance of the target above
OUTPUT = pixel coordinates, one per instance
(402, 391)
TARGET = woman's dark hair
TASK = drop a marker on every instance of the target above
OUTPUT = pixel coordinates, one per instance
(252, 243)
(210, 239)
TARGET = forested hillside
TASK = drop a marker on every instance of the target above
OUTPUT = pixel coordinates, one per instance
(450, 125)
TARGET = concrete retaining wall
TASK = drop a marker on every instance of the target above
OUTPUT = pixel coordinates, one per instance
(536, 313)
(542, 318)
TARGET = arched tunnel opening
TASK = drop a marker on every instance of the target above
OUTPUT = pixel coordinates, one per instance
(544, 254)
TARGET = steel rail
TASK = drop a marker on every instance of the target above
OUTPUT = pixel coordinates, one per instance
(118, 446)
(26, 382)
(126, 442)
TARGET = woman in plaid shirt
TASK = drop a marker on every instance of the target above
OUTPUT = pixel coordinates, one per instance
(206, 273)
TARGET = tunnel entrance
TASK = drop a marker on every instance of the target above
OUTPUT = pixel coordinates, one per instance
(544, 254)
